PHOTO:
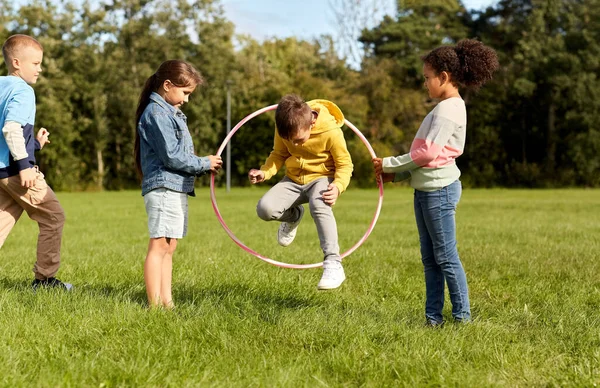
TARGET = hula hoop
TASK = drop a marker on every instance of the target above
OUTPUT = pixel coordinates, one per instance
(264, 258)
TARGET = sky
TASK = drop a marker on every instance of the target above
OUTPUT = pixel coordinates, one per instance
(305, 19)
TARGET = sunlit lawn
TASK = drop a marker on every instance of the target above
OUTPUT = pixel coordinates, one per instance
(532, 260)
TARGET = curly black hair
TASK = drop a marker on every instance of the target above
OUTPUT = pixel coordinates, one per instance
(470, 62)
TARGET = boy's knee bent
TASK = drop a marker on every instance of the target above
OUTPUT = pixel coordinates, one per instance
(266, 211)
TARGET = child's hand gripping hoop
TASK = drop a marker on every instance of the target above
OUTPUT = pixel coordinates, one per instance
(271, 261)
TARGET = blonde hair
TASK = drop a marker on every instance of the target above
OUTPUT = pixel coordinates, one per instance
(15, 43)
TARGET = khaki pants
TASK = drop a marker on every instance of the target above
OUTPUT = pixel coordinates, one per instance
(43, 207)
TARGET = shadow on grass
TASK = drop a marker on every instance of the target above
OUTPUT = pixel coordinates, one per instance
(17, 285)
(235, 293)
(243, 301)
(226, 295)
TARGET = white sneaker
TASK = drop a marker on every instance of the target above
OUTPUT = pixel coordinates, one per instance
(333, 275)
(287, 230)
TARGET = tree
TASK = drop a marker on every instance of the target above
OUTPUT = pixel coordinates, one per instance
(352, 18)
(542, 100)
(417, 28)
(535, 124)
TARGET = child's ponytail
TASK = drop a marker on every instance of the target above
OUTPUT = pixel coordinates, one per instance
(477, 62)
(149, 87)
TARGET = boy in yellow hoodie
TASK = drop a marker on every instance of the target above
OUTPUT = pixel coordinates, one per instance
(310, 142)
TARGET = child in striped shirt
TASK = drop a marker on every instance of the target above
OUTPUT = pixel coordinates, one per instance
(430, 166)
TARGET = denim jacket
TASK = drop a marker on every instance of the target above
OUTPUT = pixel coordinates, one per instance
(167, 150)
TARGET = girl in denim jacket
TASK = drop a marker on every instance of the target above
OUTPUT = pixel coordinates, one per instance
(164, 155)
(430, 165)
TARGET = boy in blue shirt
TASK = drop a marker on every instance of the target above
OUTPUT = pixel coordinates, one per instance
(22, 185)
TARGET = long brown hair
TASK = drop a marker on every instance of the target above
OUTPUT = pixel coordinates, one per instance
(181, 74)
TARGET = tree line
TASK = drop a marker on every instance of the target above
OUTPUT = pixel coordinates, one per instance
(534, 125)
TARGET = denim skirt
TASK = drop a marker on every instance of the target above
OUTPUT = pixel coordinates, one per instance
(167, 213)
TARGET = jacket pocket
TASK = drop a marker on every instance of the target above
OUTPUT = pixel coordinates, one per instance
(322, 168)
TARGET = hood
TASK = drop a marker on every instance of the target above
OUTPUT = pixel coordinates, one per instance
(330, 116)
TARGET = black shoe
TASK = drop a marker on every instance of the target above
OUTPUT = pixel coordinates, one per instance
(433, 323)
(51, 283)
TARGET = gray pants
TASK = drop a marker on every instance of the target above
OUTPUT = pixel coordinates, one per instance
(281, 204)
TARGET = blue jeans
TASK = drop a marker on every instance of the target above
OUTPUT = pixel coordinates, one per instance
(435, 211)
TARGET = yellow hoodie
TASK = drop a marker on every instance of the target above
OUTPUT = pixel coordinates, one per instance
(323, 154)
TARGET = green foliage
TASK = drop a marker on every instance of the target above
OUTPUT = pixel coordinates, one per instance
(419, 27)
(542, 102)
(534, 125)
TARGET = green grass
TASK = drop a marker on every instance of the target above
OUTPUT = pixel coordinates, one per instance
(532, 261)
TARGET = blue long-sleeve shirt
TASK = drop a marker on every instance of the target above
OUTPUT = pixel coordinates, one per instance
(17, 104)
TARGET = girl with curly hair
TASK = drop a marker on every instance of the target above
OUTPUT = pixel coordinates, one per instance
(430, 165)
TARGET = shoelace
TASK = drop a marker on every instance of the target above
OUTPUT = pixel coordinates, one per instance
(287, 227)
(331, 269)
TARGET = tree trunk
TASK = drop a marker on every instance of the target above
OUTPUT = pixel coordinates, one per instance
(118, 164)
(523, 140)
(551, 139)
(100, 162)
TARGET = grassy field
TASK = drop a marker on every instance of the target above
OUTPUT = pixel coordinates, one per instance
(532, 260)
